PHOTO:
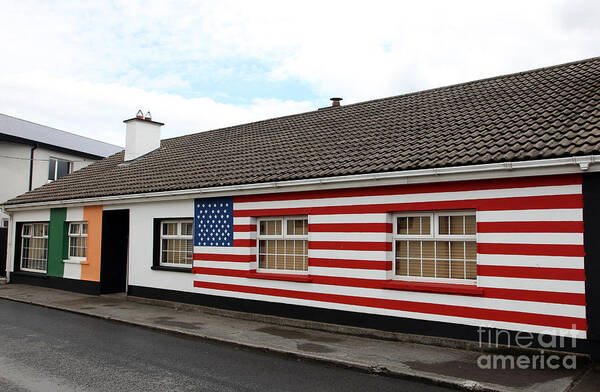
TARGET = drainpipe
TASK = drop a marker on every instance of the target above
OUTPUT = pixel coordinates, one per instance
(9, 246)
(31, 165)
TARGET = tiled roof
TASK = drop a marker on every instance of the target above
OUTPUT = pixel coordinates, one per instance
(545, 113)
(23, 129)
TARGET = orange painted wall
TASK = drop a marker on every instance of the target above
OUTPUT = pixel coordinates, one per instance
(93, 216)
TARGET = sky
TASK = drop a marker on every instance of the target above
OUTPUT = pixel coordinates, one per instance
(83, 67)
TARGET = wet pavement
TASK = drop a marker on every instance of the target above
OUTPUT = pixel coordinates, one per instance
(434, 364)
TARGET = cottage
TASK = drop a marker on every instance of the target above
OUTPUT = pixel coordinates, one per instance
(436, 212)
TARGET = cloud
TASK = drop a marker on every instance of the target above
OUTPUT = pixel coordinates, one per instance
(96, 110)
(85, 66)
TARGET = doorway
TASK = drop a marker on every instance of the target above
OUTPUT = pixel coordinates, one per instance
(114, 248)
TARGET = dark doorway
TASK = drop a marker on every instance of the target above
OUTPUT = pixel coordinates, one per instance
(3, 243)
(115, 241)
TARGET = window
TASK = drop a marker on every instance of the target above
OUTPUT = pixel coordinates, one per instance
(283, 244)
(176, 243)
(58, 168)
(435, 245)
(78, 239)
(34, 247)
(4, 222)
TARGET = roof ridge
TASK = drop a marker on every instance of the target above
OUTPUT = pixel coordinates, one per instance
(342, 107)
(60, 130)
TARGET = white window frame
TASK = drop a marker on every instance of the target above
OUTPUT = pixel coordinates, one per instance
(31, 235)
(177, 236)
(282, 236)
(433, 236)
(80, 234)
(56, 166)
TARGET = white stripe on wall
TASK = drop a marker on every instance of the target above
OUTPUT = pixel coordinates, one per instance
(349, 218)
(531, 238)
(562, 214)
(561, 286)
(531, 261)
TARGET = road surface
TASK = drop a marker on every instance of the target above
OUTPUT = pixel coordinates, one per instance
(49, 350)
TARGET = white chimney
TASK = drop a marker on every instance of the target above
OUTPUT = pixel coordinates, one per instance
(142, 135)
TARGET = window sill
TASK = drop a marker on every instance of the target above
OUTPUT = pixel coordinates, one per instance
(171, 269)
(76, 261)
(446, 288)
(272, 276)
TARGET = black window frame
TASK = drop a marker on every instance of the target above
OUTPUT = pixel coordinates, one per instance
(157, 223)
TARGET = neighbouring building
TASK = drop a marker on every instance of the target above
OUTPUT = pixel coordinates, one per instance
(32, 155)
(435, 213)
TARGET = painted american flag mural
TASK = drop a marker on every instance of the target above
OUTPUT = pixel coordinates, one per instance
(529, 253)
(213, 221)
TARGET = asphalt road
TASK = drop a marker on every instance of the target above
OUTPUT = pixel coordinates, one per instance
(49, 350)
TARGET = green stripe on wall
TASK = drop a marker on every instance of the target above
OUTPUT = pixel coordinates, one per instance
(57, 246)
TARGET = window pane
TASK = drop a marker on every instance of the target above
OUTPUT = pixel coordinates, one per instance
(262, 228)
(26, 230)
(425, 225)
(38, 230)
(74, 228)
(277, 227)
(457, 250)
(301, 226)
(444, 223)
(470, 225)
(471, 270)
(401, 267)
(414, 260)
(46, 230)
(272, 227)
(262, 261)
(34, 253)
(51, 169)
(456, 225)
(62, 169)
(457, 269)
(283, 254)
(442, 265)
(169, 228)
(414, 225)
(471, 250)
(402, 249)
(187, 228)
(297, 227)
(84, 228)
(414, 249)
(402, 224)
(428, 249)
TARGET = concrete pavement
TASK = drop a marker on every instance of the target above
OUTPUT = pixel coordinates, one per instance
(444, 366)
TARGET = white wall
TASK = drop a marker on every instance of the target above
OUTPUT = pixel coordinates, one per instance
(141, 233)
(14, 173)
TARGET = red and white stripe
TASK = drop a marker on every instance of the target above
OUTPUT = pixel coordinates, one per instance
(529, 241)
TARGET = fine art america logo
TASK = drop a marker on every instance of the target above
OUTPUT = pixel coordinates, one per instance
(550, 340)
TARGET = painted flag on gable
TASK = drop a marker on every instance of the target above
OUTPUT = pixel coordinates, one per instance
(213, 221)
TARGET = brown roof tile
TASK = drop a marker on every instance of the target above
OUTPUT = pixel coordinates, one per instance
(545, 113)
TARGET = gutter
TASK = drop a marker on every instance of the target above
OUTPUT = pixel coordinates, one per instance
(555, 166)
(31, 154)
